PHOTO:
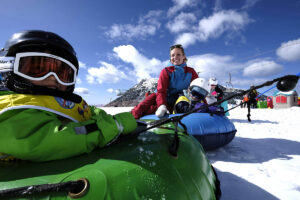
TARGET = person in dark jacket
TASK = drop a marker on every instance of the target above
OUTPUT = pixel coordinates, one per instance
(252, 98)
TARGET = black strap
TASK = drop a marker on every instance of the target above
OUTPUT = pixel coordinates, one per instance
(91, 127)
(234, 107)
(184, 127)
(173, 148)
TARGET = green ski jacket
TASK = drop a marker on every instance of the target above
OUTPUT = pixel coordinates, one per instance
(30, 130)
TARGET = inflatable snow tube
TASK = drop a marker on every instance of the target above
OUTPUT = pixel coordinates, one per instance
(211, 131)
(137, 166)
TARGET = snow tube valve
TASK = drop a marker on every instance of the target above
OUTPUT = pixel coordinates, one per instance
(81, 190)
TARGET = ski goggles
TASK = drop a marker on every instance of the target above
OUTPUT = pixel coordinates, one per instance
(38, 66)
(198, 92)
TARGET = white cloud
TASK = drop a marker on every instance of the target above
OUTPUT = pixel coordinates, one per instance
(250, 3)
(246, 83)
(82, 65)
(181, 22)
(110, 90)
(117, 91)
(210, 65)
(147, 25)
(186, 39)
(290, 50)
(143, 66)
(220, 22)
(214, 26)
(107, 73)
(179, 5)
(81, 91)
(262, 69)
(78, 80)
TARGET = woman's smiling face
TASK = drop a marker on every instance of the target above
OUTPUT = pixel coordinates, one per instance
(176, 56)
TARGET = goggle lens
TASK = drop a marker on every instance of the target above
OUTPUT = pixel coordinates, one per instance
(38, 66)
(198, 92)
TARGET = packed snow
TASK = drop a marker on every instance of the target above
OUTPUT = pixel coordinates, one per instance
(263, 160)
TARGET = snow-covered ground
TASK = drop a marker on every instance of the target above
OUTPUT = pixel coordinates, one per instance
(263, 160)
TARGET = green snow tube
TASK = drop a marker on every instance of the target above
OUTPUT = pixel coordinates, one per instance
(137, 166)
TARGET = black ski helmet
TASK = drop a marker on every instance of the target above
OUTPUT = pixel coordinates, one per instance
(38, 41)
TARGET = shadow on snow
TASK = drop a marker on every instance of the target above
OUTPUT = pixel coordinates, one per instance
(236, 188)
(248, 150)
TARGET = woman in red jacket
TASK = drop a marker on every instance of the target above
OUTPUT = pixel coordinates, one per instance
(174, 78)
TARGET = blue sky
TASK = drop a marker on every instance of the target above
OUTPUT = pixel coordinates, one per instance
(119, 42)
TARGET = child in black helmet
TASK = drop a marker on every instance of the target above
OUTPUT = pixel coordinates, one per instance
(40, 117)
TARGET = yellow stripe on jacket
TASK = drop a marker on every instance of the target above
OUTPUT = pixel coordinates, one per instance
(77, 112)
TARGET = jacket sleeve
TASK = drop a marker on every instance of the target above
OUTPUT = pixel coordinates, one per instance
(201, 106)
(216, 110)
(194, 73)
(37, 135)
(162, 87)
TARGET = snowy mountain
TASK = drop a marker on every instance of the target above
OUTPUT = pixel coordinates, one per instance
(137, 93)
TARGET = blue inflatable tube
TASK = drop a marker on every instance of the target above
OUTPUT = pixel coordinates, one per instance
(211, 131)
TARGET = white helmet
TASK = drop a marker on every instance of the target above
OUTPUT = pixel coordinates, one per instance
(199, 87)
(213, 81)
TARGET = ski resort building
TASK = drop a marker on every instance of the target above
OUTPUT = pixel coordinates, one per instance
(285, 99)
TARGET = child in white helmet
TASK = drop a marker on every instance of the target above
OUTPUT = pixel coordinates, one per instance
(194, 98)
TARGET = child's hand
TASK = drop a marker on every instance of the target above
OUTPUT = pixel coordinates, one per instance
(161, 111)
